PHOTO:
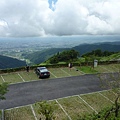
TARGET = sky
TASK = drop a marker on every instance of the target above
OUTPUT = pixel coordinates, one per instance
(34, 18)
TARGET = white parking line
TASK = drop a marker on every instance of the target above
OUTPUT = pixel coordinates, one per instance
(21, 77)
(53, 75)
(2, 78)
(106, 97)
(88, 104)
(65, 72)
(33, 112)
(63, 110)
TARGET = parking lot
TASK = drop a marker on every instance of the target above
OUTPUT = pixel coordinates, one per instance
(23, 76)
(71, 106)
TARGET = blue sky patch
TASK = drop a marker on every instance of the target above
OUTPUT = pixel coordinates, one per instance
(51, 2)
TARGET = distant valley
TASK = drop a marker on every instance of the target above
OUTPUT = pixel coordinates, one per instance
(36, 52)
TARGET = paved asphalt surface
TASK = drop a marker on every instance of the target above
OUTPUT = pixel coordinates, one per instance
(30, 92)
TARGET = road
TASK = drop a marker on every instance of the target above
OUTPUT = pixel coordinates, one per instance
(48, 89)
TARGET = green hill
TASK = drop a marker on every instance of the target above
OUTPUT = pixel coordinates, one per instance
(8, 62)
(85, 48)
(39, 57)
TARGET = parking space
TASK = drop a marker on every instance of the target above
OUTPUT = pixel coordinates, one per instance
(12, 78)
(58, 72)
(96, 101)
(72, 72)
(74, 107)
(28, 76)
(22, 113)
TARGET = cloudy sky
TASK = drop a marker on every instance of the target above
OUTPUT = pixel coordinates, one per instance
(27, 18)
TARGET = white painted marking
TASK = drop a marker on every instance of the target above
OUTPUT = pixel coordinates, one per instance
(63, 110)
(106, 97)
(88, 104)
(2, 78)
(65, 72)
(53, 75)
(33, 112)
(21, 77)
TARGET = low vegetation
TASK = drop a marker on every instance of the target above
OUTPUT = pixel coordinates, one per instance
(67, 56)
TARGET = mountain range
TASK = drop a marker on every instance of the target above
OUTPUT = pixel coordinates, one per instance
(39, 57)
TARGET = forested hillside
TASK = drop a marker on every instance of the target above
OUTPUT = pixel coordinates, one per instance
(39, 57)
(85, 48)
(8, 62)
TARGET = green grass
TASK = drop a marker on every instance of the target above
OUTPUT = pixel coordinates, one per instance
(111, 57)
(1, 80)
(28, 76)
(96, 101)
(58, 72)
(23, 113)
(110, 95)
(12, 78)
(72, 72)
(87, 69)
(75, 107)
(58, 113)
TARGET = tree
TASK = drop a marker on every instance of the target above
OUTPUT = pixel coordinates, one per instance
(46, 109)
(3, 90)
(67, 55)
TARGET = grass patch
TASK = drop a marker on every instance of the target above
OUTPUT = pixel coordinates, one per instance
(23, 113)
(75, 107)
(58, 72)
(97, 101)
(1, 80)
(58, 113)
(100, 69)
(29, 76)
(72, 72)
(110, 95)
(12, 78)
(87, 69)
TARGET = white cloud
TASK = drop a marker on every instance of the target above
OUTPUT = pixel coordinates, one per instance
(69, 17)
